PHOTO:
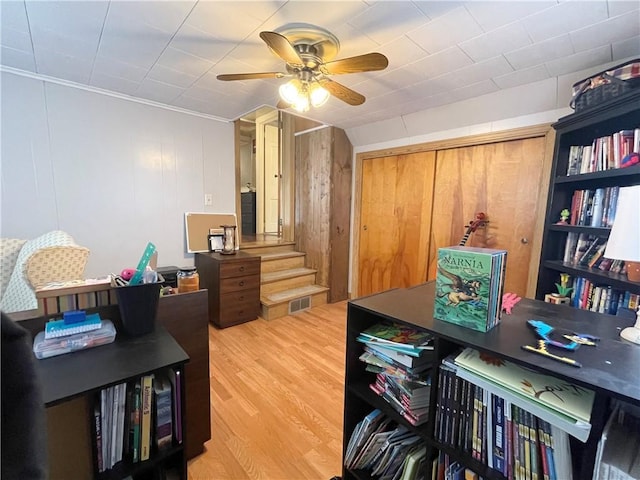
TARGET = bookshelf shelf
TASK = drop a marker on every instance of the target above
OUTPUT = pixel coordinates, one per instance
(609, 370)
(66, 379)
(578, 132)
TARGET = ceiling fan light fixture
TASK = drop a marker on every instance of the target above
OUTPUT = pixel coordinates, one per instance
(290, 91)
(318, 95)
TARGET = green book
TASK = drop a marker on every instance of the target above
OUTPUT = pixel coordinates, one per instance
(469, 284)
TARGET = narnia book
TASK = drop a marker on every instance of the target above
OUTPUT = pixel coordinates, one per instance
(469, 283)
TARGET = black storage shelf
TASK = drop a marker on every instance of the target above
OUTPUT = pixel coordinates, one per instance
(609, 370)
(621, 113)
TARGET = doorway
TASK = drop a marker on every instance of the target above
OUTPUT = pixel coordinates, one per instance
(265, 158)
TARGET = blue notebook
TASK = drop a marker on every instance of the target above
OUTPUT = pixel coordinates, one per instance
(59, 328)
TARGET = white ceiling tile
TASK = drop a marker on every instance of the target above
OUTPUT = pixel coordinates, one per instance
(565, 17)
(434, 9)
(141, 45)
(64, 44)
(496, 42)
(13, 15)
(61, 66)
(164, 15)
(158, 91)
(114, 84)
(619, 7)
(609, 31)
(540, 52)
(440, 63)
(478, 72)
(17, 59)
(520, 77)
(184, 62)
(445, 31)
(326, 14)
(491, 15)
(202, 44)
(109, 67)
(401, 52)
(579, 61)
(74, 19)
(391, 19)
(257, 57)
(626, 48)
(221, 20)
(474, 90)
(16, 39)
(171, 76)
(398, 78)
(353, 42)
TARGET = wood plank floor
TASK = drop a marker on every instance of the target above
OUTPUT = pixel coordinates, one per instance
(277, 391)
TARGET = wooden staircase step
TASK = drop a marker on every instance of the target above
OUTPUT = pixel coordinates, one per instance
(272, 262)
(288, 295)
(268, 248)
(270, 277)
(266, 257)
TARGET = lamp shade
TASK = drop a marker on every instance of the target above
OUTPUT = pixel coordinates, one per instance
(624, 240)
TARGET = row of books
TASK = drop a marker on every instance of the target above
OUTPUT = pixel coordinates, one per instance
(469, 286)
(594, 208)
(502, 435)
(588, 251)
(444, 468)
(132, 420)
(601, 298)
(385, 449)
(618, 453)
(604, 153)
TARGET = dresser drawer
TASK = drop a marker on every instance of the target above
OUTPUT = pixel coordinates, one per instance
(238, 283)
(238, 307)
(238, 269)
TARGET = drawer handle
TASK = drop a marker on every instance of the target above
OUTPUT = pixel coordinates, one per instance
(241, 283)
(242, 269)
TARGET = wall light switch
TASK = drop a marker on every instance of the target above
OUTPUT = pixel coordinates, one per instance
(208, 199)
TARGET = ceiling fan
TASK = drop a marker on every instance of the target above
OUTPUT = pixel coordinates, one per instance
(308, 52)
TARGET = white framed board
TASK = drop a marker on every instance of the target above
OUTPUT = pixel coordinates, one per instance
(198, 225)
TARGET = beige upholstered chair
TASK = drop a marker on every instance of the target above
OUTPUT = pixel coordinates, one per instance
(52, 257)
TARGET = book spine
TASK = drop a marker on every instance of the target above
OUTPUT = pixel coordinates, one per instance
(498, 436)
(97, 417)
(134, 431)
(145, 431)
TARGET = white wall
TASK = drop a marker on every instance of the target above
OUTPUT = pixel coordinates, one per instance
(115, 174)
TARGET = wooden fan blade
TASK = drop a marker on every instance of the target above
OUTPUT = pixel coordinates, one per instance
(362, 63)
(281, 47)
(281, 105)
(343, 93)
(249, 76)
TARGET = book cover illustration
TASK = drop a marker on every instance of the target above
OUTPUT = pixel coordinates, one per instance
(468, 283)
(398, 334)
(553, 393)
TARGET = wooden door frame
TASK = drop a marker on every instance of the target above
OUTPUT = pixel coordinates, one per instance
(543, 130)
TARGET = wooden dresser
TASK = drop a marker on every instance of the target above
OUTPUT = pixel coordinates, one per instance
(233, 282)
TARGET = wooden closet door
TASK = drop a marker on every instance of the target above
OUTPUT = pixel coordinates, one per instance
(397, 193)
(500, 179)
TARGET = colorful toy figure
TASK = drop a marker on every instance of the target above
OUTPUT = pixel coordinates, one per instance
(564, 290)
(564, 216)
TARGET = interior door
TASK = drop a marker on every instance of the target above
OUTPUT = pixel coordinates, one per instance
(395, 219)
(271, 179)
(503, 181)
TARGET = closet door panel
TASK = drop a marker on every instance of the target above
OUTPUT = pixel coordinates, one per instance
(394, 230)
(500, 179)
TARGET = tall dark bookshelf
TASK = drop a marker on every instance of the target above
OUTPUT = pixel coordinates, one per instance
(581, 128)
(609, 370)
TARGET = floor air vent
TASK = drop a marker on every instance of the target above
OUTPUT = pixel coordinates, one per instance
(299, 304)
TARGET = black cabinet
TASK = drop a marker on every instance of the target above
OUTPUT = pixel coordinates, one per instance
(583, 129)
(80, 376)
(248, 211)
(608, 369)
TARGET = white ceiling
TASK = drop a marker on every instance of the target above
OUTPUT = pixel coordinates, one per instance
(439, 52)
